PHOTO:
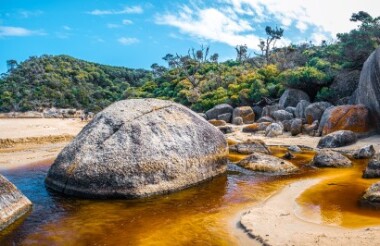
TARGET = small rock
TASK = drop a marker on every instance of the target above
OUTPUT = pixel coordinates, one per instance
(225, 129)
(330, 158)
(294, 148)
(250, 146)
(371, 197)
(373, 168)
(217, 122)
(265, 119)
(288, 156)
(255, 127)
(296, 127)
(337, 139)
(237, 121)
(310, 129)
(269, 109)
(274, 130)
(246, 113)
(366, 152)
(287, 125)
(281, 115)
(266, 163)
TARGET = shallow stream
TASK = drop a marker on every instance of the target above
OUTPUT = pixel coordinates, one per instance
(201, 215)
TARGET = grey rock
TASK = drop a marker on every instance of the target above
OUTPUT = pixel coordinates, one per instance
(226, 129)
(274, 130)
(344, 84)
(258, 111)
(330, 158)
(300, 109)
(255, 127)
(137, 148)
(269, 109)
(368, 92)
(365, 152)
(204, 116)
(237, 121)
(281, 115)
(371, 197)
(291, 110)
(294, 148)
(373, 168)
(250, 146)
(287, 125)
(310, 129)
(315, 111)
(337, 139)
(260, 162)
(218, 110)
(265, 119)
(296, 127)
(291, 97)
(226, 117)
(13, 204)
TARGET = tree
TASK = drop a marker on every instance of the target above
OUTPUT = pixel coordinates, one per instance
(241, 53)
(11, 64)
(273, 34)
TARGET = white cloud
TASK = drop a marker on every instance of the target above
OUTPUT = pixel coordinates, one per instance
(211, 24)
(128, 41)
(301, 26)
(11, 31)
(125, 10)
(67, 28)
(127, 22)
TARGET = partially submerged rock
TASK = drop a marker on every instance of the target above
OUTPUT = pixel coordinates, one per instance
(250, 146)
(345, 117)
(371, 197)
(330, 158)
(266, 163)
(373, 168)
(274, 130)
(13, 204)
(294, 148)
(137, 148)
(337, 139)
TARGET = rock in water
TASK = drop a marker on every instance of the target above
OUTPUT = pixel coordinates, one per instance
(291, 97)
(337, 139)
(371, 197)
(266, 163)
(137, 148)
(13, 204)
(345, 117)
(368, 91)
(250, 146)
(329, 158)
(373, 168)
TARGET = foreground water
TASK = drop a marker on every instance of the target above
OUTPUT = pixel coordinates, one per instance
(201, 215)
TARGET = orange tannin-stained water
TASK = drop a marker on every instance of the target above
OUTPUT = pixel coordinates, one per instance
(201, 215)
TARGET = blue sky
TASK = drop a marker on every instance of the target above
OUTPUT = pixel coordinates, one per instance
(138, 33)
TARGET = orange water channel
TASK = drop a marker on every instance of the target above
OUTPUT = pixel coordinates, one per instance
(202, 215)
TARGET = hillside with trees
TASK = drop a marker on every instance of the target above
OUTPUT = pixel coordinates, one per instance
(326, 71)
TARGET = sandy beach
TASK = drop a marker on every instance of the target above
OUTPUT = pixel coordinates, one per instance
(272, 222)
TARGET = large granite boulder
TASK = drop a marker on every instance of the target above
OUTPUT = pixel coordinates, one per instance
(368, 91)
(260, 162)
(274, 130)
(291, 97)
(300, 109)
(345, 117)
(281, 115)
(250, 146)
(13, 204)
(337, 139)
(246, 113)
(330, 158)
(221, 109)
(373, 168)
(344, 84)
(315, 111)
(139, 147)
(371, 197)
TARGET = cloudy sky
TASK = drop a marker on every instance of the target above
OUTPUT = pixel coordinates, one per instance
(138, 33)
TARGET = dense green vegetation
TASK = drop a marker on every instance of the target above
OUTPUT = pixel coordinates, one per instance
(196, 79)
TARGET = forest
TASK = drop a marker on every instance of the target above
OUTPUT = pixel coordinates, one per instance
(328, 71)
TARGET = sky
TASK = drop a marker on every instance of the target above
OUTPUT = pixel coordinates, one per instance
(137, 34)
